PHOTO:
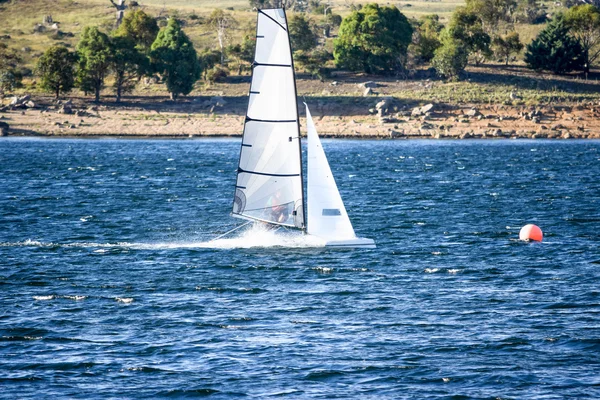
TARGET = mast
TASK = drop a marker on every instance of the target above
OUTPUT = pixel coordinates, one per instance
(269, 185)
(305, 227)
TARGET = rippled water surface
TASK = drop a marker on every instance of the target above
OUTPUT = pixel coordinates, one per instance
(110, 288)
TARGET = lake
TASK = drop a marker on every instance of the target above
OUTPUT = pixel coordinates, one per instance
(110, 288)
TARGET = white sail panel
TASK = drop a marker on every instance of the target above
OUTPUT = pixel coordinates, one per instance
(273, 95)
(272, 44)
(327, 217)
(269, 182)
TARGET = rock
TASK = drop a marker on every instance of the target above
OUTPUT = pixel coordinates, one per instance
(416, 112)
(557, 127)
(426, 108)
(80, 113)
(396, 134)
(334, 83)
(65, 109)
(372, 111)
(514, 96)
(535, 120)
(72, 127)
(30, 104)
(473, 112)
(368, 91)
(4, 127)
(39, 28)
(581, 128)
(566, 135)
(369, 84)
(426, 126)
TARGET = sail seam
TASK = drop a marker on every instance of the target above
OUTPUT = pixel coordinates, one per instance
(266, 174)
(271, 18)
(249, 119)
(257, 64)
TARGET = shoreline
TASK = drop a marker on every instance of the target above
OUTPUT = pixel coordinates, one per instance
(378, 117)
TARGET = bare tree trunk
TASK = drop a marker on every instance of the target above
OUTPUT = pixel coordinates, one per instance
(220, 36)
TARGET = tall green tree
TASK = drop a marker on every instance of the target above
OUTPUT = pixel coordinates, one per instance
(450, 59)
(140, 27)
(554, 49)
(95, 59)
(56, 70)
(128, 63)
(506, 46)
(174, 57)
(373, 39)
(302, 35)
(492, 12)
(467, 27)
(584, 24)
(427, 38)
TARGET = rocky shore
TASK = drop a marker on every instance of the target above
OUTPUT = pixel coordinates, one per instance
(370, 117)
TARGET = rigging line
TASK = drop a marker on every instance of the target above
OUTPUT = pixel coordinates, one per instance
(272, 19)
(228, 232)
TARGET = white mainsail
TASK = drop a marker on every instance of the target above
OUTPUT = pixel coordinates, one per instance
(327, 217)
(269, 183)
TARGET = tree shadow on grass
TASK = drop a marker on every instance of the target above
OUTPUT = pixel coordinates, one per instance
(524, 78)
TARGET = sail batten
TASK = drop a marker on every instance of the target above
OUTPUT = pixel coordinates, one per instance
(269, 185)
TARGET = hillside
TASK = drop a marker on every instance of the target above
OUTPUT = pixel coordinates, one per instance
(504, 97)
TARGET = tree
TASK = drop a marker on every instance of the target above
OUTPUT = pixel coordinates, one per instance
(95, 59)
(584, 24)
(451, 58)
(530, 12)
(56, 70)
(554, 49)
(10, 77)
(467, 27)
(243, 52)
(507, 45)
(139, 26)
(313, 62)
(427, 38)
(128, 64)
(221, 22)
(492, 12)
(302, 36)
(174, 57)
(373, 39)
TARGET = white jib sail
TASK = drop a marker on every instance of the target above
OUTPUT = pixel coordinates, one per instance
(327, 217)
(269, 181)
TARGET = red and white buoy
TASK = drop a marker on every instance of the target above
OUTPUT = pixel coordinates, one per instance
(531, 232)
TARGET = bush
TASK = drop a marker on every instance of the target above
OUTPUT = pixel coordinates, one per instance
(450, 59)
(217, 74)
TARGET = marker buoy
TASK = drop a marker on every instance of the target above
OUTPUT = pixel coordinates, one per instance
(531, 232)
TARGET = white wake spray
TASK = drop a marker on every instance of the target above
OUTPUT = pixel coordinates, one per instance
(254, 236)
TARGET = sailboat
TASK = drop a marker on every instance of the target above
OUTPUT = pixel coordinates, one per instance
(270, 184)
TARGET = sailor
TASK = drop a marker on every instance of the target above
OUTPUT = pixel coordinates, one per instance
(279, 212)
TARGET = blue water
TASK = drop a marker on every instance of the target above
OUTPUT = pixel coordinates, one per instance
(109, 287)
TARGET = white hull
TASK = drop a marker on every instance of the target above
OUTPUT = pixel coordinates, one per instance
(352, 243)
